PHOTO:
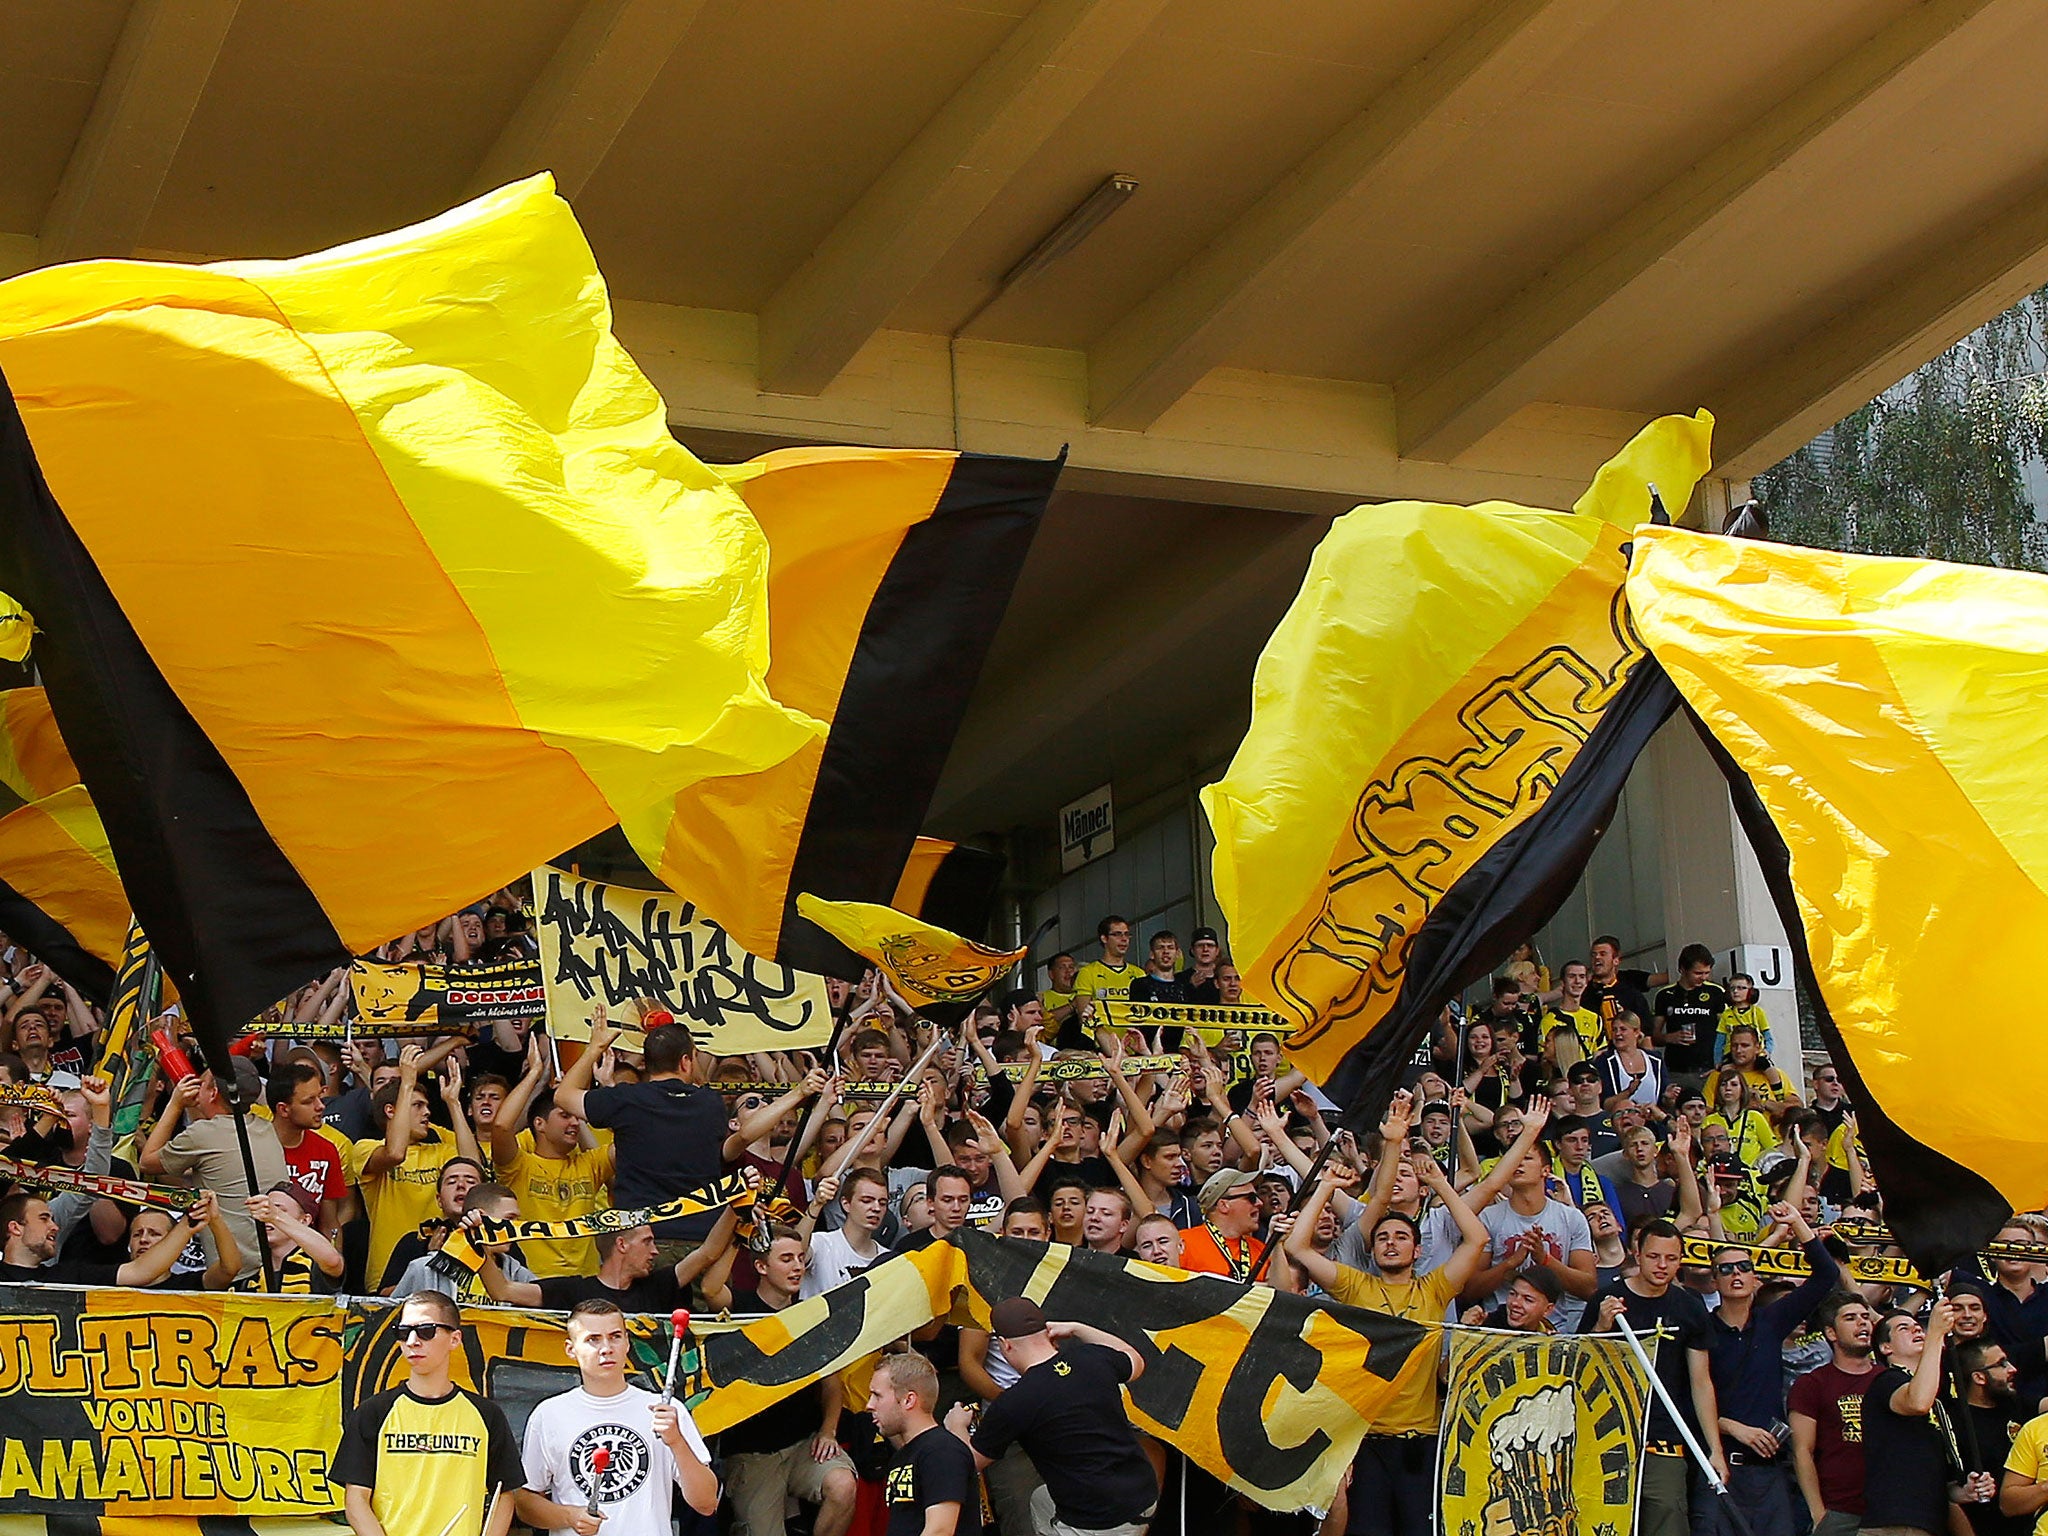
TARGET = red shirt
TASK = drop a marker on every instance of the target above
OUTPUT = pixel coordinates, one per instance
(1833, 1399)
(316, 1166)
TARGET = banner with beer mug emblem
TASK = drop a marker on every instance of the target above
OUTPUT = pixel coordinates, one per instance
(1540, 1436)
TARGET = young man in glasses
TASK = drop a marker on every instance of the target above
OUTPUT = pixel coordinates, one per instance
(427, 1458)
(1745, 1355)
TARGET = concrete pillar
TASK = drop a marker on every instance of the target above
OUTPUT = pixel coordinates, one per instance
(1714, 892)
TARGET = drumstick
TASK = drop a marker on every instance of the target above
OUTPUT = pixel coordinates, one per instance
(679, 1320)
(600, 1463)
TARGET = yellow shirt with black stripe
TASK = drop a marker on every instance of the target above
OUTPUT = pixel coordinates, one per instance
(431, 1464)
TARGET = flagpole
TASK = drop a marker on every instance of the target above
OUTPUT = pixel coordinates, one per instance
(1301, 1191)
(269, 1262)
(1714, 1479)
(803, 1123)
(887, 1107)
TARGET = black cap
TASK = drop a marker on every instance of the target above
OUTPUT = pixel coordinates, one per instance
(1204, 933)
(1017, 1318)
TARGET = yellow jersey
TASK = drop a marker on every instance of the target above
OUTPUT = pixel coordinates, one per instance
(560, 1189)
(400, 1198)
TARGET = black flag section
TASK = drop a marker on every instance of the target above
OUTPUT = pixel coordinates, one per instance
(1511, 892)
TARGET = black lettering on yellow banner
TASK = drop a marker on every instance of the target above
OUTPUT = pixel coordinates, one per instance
(1790, 1263)
(462, 1246)
(620, 947)
(1264, 1389)
(1541, 1434)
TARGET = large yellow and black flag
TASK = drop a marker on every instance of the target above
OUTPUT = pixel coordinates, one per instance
(1883, 723)
(1440, 725)
(889, 571)
(365, 582)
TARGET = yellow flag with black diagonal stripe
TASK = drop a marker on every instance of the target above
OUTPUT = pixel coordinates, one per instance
(1884, 723)
(337, 558)
(926, 964)
(1439, 726)
(889, 570)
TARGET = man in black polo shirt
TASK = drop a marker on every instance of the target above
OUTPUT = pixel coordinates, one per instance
(669, 1133)
(1067, 1411)
(1688, 1016)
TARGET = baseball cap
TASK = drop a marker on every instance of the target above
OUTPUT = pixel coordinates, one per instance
(1018, 1317)
(1227, 1181)
(1204, 933)
(309, 1203)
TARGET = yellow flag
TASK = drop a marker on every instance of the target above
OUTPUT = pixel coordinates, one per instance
(60, 894)
(1886, 721)
(889, 570)
(341, 557)
(1433, 683)
(33, 758)
(926, 964)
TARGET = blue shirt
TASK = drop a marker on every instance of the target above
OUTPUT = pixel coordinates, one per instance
(1747, 1364)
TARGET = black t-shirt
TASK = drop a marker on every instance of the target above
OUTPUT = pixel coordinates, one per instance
(1609, 1000)
(1200, 991)
(1698, 1007)
(934, 1468)
(1068, 1414)
(1995, 1429)
(1684, 1319)
(670, 1136)
(63, 1272)
(1152, 989)
(1905, 1461)
(1906, 1469)
(659, 1292)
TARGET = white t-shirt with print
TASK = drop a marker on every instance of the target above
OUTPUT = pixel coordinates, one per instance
(637, 1492)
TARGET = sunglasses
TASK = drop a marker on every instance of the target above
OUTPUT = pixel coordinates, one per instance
(407, 1332)
(1739, 1267)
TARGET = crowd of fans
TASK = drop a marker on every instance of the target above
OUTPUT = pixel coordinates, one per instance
(1540, 1172)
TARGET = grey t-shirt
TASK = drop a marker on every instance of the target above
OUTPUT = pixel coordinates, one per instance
(1564, 1232)
(210, 1151)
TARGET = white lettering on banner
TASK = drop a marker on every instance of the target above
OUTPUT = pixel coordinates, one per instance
(1087, 829)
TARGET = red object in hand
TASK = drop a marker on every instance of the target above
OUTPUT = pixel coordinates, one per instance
(600, 1463)
(177, 1065)
(654, 1018)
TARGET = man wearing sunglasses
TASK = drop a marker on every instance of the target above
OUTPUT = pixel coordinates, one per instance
(1745, 1355)
(1224, 1244)
(427, 1458)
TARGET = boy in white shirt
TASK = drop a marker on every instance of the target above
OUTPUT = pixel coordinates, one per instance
(652, 1447)
(839, 1256)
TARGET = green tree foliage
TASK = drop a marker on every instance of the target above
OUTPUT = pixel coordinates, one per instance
(1937, 466)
